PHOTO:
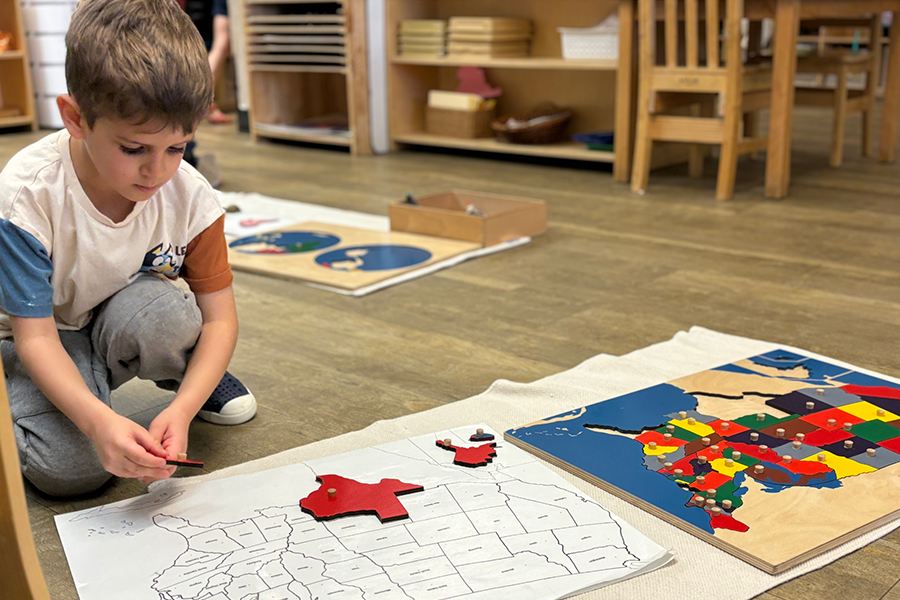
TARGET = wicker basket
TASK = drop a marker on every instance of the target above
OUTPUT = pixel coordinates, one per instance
(545, 124)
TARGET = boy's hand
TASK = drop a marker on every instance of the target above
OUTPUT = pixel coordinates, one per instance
(170, 430)
(128, 450)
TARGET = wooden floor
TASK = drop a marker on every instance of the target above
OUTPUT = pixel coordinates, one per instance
(615, 272)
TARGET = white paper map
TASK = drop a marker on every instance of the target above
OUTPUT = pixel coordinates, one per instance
(511, 527)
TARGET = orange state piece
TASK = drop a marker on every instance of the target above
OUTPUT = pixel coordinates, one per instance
(340, 497)
(474, 456)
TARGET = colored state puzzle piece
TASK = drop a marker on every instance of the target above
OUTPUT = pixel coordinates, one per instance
(474, 456)
(351, 497)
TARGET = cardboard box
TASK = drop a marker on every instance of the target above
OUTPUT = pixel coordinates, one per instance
(459, 123)
(501, 218)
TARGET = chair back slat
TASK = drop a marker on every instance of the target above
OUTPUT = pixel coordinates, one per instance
(712, 34)
(671, 33)
(691, 37)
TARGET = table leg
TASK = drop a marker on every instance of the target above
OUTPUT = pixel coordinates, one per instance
(784, 68)
(890, 111)
(624, 93)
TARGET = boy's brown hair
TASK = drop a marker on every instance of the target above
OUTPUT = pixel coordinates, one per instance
(137, 60)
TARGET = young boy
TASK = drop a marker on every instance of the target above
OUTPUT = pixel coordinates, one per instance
(96, 221)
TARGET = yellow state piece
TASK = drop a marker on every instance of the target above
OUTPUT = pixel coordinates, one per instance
(701, 429)
(719, 466)
(868, 412)
(659, 450)
(843, 466)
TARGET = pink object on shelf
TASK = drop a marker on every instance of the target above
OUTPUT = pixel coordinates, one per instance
(473, 80)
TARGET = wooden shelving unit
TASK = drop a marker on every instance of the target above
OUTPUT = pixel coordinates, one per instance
(587, 86)
(306, 62)
(16, 91)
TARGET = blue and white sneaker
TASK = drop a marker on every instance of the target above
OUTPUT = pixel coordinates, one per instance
(231, 403)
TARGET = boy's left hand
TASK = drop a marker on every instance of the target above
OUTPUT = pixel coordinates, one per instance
(170, 428)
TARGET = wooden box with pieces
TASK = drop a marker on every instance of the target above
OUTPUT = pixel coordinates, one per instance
(486, 219)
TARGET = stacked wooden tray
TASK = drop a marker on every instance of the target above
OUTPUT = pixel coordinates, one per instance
(422, 38)
(489, 37)
(298, 41)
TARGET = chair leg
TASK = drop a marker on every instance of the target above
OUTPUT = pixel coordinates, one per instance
(868, 129)
(728, 156)
(840, 120)
(695, 152)
(643, 146)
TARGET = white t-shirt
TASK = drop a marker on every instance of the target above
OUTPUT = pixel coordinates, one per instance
(60, 256)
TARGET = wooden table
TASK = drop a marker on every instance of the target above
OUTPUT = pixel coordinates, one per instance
(787, 15)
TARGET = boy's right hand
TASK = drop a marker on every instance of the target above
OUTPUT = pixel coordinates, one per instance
(128, 450)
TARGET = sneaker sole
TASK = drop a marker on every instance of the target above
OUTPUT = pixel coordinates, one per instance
(230, 419)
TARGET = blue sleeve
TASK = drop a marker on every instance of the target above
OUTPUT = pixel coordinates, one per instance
(25, 270)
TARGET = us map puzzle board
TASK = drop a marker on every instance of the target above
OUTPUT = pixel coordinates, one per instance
(511, 528)
(775, 458)
(339, 256)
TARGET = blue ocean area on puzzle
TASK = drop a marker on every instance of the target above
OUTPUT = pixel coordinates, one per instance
(601, 440)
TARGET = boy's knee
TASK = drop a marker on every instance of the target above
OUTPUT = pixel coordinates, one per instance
(151, 308)
(61, 483)
(69, 467)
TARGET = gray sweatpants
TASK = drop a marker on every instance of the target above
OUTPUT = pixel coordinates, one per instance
(146, 330)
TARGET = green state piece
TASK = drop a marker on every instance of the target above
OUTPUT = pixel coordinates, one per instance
(727, 491)
(753, 422)
(681, 434)
(875, 431)
(744, 459)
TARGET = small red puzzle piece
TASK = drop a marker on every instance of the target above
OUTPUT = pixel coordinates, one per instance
(354, 498)
(474, 456)
(727, 522)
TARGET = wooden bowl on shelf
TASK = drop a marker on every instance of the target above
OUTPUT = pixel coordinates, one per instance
(545, 124)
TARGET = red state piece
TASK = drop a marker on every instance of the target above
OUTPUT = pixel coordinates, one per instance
(876, 391)
(732, 429)
(474, 456)
(822, 437)
(892, 444)
(340, 497)
(711, 481)
(756, 452)
(727, 522)
(660, 439)
(805, 467)
(821, 418)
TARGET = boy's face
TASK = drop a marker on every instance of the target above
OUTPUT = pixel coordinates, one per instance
(134, 160)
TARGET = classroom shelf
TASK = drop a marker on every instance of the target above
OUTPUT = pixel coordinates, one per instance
(531, 62)
(587, 86)
(307, 64)
(15, 70)
(565, 150)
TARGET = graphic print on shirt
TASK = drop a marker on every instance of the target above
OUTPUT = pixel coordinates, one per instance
(164, 262)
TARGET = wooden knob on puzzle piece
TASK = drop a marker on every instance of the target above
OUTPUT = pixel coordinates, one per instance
(800, 436)
(780, 432)
(758, 469)
(786, 458)
(810, 405)
(691, 421)
(702, 459)
(714, 447)
(848, 444)
(700, 479)
(479, 431)
(670, 429)
(832, 422)
(715, 510)
(729, 462)
(679, 472)
(760, 416)
(661, 458)
(879, 412)
(699, 499)
(870, 451)
(725, 426)
(726, 504)
(332, 492)
(667, 465)
(682, 414)
(820, 457)
(668, 436)
(710, 502)
(848, 425)
(706, 441)
(820, 391)
(754, 436)
(652, 445)
(447, 442)
(796, 444)
(736, 455)
(763, 448)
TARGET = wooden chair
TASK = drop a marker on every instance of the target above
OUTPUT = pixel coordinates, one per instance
(730, 90)
(842, 64)
(20, 572)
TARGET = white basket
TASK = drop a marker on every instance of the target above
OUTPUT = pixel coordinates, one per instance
(600, 41)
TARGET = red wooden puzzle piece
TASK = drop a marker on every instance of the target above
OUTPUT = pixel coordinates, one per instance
(474, 456)
(339, 497)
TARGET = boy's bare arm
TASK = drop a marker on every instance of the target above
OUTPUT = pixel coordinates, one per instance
(125, 448)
